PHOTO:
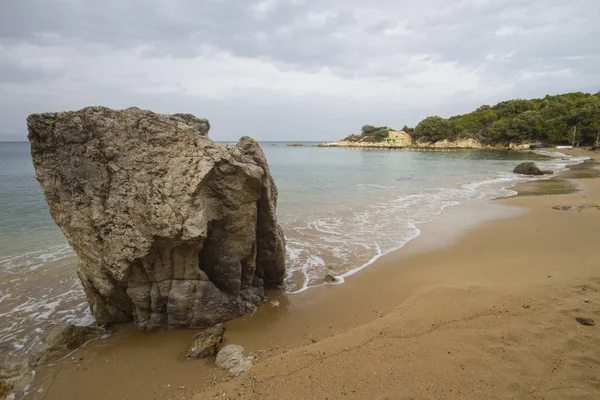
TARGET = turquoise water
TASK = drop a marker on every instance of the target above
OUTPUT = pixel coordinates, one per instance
(340, 210)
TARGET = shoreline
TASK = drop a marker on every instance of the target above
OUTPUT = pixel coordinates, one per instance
(549, 184)
(443, 145)
(270, 334)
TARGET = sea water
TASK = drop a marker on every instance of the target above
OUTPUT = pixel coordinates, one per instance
(340, 209)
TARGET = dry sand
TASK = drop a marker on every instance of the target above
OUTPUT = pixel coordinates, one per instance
(487, 314)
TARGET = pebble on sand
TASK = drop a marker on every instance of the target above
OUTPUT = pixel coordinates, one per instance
(585, 321)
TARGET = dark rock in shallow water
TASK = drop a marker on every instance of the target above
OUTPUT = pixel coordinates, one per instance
(331, 279)
(207, 342)
(529, 168)
(171, 229)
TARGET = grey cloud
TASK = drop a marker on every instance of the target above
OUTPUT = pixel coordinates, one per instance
(379, 39)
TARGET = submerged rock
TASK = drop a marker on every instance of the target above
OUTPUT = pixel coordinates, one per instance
(15, 374)
(207, 342)
(231, 358)
(59, 340)
(529, 168)
(171, 229)
(331, 279)
(17, 371)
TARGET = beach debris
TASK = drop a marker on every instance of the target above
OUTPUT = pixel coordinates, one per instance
(586, 301)
(573, 207)
(585, 321)
(207, 342)
(190, 234)
(331, 279)
(231, 358)
(529, 168)
(274, 303)
(526, 306)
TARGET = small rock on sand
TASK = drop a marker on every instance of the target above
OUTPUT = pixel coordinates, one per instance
(231, 358)
(585, 321)
(330, 279)
(207, 342)
(574, 207)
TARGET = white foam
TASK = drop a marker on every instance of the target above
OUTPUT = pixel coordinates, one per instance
(34, 260)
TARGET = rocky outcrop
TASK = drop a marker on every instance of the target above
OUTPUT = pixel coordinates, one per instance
(403, 139)
(171, 229)
(529, 168)
(456, 144)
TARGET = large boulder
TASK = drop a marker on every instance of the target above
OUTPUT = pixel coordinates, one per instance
(529, 168)
(171, 229)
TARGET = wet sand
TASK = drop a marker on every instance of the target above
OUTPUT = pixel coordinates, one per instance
(489, 313)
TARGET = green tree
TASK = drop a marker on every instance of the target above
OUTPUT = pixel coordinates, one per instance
(433, 129)
(547, 120)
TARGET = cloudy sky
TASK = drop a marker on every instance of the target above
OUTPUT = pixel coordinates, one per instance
(291, 69)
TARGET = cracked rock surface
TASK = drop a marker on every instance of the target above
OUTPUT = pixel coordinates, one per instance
(171, 229)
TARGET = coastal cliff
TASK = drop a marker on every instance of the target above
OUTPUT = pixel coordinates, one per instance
(171, 229)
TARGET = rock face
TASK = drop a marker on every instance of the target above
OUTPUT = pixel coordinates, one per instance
(207, 342)
(529, 168)
(171, 229)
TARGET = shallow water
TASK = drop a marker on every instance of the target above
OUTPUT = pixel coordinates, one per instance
(340, 209)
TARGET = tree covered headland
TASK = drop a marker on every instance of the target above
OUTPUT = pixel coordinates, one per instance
(551, 120)
(370, 134)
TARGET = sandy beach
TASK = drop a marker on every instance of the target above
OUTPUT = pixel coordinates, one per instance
(481, 305)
